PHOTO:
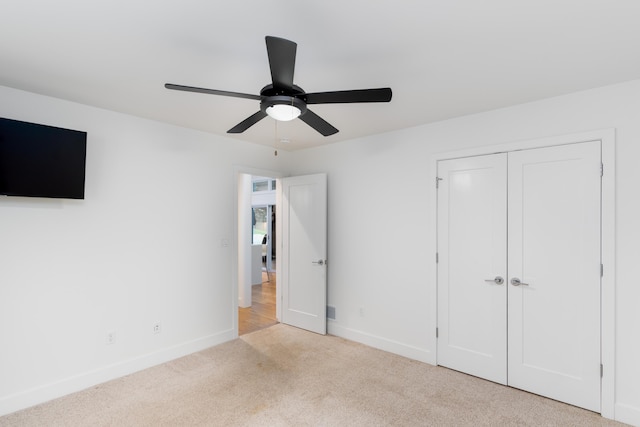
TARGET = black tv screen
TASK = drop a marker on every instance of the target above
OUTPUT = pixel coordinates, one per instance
(41, 161)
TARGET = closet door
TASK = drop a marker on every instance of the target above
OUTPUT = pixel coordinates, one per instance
(554, 252)
(472, 242)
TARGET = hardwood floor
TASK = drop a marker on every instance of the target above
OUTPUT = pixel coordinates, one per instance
(262, 312)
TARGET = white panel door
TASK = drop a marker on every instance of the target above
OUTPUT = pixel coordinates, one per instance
(554, 250)
(304, 252)
(540, 331)
(472, 245)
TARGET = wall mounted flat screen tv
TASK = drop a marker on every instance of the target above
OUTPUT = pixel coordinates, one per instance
(41, 161)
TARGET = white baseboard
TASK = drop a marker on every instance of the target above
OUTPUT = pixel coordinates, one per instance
(380, 343)
(44, 393)
(627, 414)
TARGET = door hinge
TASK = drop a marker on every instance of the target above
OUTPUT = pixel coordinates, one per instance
(601, 169)
(438, 179)
(436, 332)
(601, 370)
(601, 270)
(437, 258)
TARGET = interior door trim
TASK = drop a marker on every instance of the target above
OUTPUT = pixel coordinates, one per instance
(607, 327)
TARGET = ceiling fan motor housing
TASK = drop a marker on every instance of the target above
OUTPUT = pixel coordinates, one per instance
(293, 97)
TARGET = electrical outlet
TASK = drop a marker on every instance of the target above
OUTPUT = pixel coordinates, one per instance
(111, 337)
(157, 328)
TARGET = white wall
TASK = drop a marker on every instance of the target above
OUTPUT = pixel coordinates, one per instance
(380, 262)
(145, 244)
(143, 247)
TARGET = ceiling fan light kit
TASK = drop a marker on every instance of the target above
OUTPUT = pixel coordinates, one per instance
(284, 101)
(283, 108)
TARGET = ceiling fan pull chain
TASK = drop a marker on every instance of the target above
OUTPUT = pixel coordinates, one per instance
(275, 139)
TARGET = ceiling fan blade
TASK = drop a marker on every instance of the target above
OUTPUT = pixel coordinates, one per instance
(318, 123)
(212, 91)
(349, 96)
(248, 122)
(282, 61)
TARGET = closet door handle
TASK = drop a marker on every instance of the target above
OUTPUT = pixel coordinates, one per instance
(516, 282)
(498, 280)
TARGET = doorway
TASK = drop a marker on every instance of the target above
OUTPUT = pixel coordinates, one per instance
(482, 190)
(302, 262)
(257, 310)
(302, 214)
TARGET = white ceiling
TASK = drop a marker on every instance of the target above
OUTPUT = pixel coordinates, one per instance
(443, 59)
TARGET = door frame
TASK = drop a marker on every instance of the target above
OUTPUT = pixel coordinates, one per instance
(236, 274)
(607, 320)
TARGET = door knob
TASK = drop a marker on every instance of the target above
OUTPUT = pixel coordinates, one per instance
(498, 280)
(320, 262)
(516, 282)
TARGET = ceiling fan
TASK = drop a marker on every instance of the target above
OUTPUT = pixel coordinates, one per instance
(285, 101)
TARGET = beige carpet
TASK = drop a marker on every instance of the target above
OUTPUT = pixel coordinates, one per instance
(283, 376)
